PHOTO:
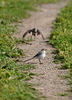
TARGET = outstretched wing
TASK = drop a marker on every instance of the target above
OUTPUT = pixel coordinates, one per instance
(28, 31)
(38, 32)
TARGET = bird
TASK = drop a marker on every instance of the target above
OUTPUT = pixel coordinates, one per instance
(34, 32)
(40, 55)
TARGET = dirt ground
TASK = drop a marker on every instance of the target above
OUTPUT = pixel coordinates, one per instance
(49, 84)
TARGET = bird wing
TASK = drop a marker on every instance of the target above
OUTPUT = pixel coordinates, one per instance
(28, 31)
(38, 32)
(38, 54)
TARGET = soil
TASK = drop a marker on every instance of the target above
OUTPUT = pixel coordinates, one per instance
(48, 81)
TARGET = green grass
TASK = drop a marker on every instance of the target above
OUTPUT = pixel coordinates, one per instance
(13, 76)
(61, 38)
(63, 94)
(15, 10)
(12, 85)
(67, 76)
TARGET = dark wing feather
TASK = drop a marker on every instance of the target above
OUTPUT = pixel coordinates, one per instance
(38, 32)
(38, 54)
(28, 31)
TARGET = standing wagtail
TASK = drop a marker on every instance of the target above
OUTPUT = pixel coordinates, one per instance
(40, 55)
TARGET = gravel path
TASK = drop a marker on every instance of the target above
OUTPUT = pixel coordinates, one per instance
(49, 83)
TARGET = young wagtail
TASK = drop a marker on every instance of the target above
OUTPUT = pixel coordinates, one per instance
(34, 32)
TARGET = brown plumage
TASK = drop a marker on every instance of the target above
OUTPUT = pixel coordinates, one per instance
(34, 32)
(39, 33)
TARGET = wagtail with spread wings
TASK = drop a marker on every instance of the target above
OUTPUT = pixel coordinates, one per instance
(34, 32)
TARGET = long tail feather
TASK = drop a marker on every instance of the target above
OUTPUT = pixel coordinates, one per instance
(28, 59)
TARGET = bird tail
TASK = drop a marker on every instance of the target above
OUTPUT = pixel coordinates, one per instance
(28, 59)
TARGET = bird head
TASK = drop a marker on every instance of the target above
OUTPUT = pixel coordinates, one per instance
(34, 30)
(44, 49)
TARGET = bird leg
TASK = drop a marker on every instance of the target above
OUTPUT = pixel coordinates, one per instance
(31, 36)
(34, 37)
(40, 62)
